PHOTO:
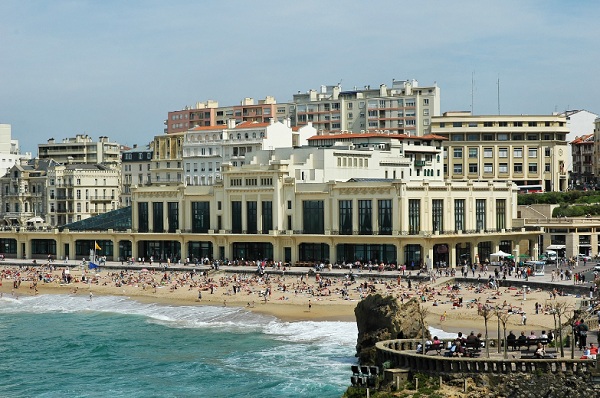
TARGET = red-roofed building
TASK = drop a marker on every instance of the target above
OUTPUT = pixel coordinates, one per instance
(582, 149)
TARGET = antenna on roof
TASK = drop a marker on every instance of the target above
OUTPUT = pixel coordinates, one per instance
(498, 93)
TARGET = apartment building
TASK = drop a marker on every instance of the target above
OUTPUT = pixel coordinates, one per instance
(403, 108)
(209, 113)
(529, 150)
(80, 191)
(582, 149)
(167, 159)
(24, 192)
(81, 149)
(135, 165)
(205, 149)
(10, 153)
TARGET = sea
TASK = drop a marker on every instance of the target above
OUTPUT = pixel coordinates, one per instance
(71, 346)
(109, 346)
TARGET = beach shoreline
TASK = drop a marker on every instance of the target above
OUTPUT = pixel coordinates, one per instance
(294, 298)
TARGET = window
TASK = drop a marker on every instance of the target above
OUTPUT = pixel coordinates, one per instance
(502, 124)
(437, 214)
(518, 167)
(345, 217)
(414, 216)
(503, 168)
(142, 216)
(533, 137)
(267, 216)
(488, 152)
(200, 217)
(473, 153)
(425, 101)
(458, 137)
(385, 216)
(502, 137)
(251, 217)
(459, 214)
(457, 153)
(518, 152)
(488, 168)
(500, 214)
(517, 137)
(236, 216)
(456, 124)
(488, 124)
(503, 152)
(458, 168)
(488, 137)
(157, 217)
(480, 214)
(473, 168)
(533, 167)
(533, 152)
(517, 124)
(547, 167)
(289, 204)
(365, 221)
(313, 215)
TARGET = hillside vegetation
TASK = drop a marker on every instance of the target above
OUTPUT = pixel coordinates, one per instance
(572, 203)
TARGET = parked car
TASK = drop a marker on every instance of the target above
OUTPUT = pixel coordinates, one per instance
(583, 257)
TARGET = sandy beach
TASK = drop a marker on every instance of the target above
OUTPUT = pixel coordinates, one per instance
(293, 297)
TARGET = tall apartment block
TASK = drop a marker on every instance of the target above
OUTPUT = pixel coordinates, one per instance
(403, 108)
(81, 149)
(209, 113)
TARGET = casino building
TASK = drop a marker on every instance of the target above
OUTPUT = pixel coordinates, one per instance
(343, 198)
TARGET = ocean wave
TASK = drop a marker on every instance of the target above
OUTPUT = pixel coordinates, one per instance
(233, 319)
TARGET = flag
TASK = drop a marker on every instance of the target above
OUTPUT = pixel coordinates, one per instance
(97, 246)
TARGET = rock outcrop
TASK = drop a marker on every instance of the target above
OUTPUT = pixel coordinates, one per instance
(383, 318)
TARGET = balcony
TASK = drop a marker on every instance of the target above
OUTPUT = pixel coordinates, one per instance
(101, 198)
(420, 163)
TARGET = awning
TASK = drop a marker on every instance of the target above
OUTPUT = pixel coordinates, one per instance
(36, 220)
(556, 247)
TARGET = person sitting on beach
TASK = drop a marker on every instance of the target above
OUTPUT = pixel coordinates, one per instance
(522, 338)
(543, 335)
(532, 336)
(436, 340)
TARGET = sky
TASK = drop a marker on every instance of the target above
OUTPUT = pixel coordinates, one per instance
(116, 68)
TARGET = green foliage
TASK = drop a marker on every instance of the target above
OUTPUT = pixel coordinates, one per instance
(584, 197)
(571, 203)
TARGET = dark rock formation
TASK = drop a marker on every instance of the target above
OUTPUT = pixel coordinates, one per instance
(383, 318)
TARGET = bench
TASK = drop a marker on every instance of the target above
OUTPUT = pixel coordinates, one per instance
(438, 347)
(530, 342)
(472, 348)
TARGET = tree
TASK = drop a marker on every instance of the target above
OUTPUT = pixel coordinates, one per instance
(486, 312)
(503, 318)
(559, 309)
(422, 312)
